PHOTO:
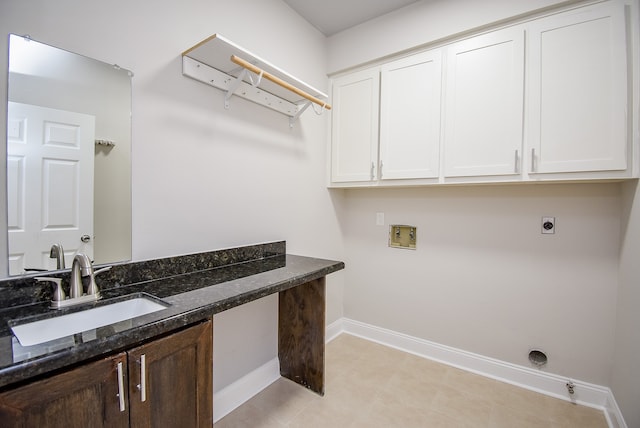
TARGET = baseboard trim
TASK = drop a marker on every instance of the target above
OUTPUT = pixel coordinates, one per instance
(334, 330)
(586, 394)
(233, 396)
(613, 413)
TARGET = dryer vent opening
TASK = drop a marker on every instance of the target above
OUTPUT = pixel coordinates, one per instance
(537, 358)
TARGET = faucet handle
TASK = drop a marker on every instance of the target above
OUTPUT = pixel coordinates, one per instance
(58, 293)
(93, 287)
(104, 269)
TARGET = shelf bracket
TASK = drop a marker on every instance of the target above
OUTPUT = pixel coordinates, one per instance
(258, 80)
(236, 84)
(295, 117)
(233, 87)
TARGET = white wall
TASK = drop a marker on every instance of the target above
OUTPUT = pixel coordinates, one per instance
(204, 177)
(484, 279)
(626, 365)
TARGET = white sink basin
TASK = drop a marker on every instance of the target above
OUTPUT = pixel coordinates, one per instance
(36, 332)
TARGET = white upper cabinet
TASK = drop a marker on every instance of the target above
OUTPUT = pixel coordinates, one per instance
(577, 95)
(354, 126)
(484, 105)
(410, 117)
(548, 98)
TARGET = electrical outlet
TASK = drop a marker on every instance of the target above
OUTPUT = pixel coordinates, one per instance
(548, 225)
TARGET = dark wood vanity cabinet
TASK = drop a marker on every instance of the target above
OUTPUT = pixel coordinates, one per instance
(163, 383)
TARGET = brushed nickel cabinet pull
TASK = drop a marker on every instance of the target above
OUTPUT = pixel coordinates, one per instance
(142, 386)
(533, 160)
(121, 387)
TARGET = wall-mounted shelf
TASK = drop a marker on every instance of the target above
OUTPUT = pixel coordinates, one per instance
(221, 63)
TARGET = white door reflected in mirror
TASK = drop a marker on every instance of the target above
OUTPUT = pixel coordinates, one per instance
(50, 162)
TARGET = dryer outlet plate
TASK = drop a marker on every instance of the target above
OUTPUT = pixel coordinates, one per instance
(548, 225)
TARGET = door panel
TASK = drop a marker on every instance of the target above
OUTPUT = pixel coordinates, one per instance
(83, 397)
(578, 91)
(171, 380)
(484, 105)
(354, 131)
(410, 117)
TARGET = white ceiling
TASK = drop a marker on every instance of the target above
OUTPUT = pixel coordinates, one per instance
(333, 16)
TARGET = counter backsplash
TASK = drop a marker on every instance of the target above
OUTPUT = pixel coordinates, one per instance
(25, 290)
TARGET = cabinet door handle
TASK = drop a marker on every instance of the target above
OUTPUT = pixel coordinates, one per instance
(373, 166)
(142, 386)
(380, 171)
(533, 160)
(121, 387)
(515, 167)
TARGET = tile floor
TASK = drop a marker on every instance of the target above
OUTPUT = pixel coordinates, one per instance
(370, 385)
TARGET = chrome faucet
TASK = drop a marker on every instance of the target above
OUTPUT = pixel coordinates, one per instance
(57, 252)
(81, 268)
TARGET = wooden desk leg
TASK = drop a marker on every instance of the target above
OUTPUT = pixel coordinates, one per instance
(301, 334)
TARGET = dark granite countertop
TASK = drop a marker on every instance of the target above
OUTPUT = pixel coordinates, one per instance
(210, 283)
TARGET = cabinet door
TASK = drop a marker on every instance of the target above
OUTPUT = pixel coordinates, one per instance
(410, 117)
(578, 91)
(171, 380)
(484, 105)
(354, 130)
(87, 396)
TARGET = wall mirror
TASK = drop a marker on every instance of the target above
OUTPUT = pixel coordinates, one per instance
(68, 167)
